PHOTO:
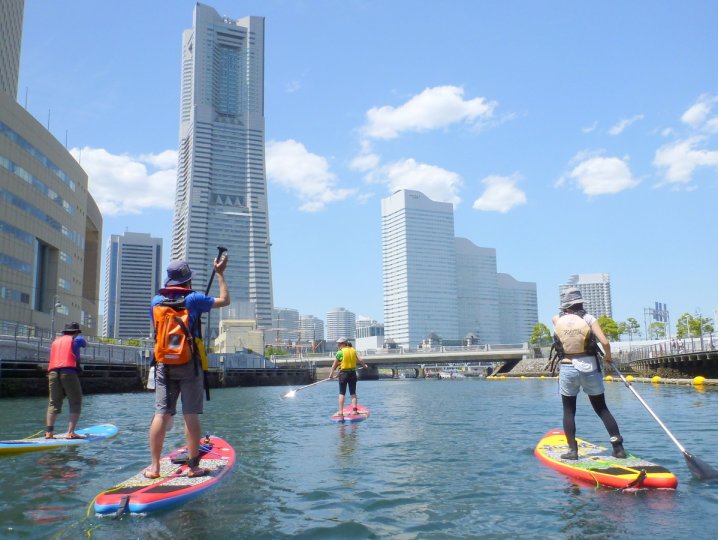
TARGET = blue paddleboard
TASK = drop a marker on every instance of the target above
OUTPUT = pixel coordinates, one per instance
(35, 444)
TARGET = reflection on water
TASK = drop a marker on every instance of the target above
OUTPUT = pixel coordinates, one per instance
(434, 460)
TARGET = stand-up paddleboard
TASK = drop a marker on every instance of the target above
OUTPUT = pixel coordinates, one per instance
(350, 416)
(91, 434)
(596, 464)
(140, 495)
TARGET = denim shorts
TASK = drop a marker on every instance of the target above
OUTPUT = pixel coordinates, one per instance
(571, 380)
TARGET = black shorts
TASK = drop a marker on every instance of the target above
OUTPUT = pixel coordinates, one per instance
(348, 378)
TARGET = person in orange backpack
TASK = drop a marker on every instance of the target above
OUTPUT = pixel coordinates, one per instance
(175, 313)
(63, 375)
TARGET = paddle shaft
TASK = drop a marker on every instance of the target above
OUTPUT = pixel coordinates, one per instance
(220, 251)
(630, 387)
(307, 386)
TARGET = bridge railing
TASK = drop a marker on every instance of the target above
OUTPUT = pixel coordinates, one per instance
(672, 347)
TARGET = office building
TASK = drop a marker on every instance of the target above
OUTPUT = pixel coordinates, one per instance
(596, 291)
(419, 268)
(11, 13)
(311, 331)
(340, 322)
(50, 226)
(221, 195)
(441, 288)
(369, 335)
(133, 275)
(286, 326)
(518, 311)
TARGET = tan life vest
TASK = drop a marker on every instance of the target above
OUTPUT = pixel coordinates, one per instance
(574, 333)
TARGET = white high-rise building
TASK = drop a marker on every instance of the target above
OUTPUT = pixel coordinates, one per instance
(221, 197)
(419, 268)
(518, 309)
(11, 14)
(478, 290)
(340, 323)
(311, 329)
(133, 275)
(596, 291)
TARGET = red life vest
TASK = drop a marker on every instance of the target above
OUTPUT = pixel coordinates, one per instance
(61, 353)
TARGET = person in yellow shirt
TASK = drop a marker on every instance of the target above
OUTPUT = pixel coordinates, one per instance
(346, 362)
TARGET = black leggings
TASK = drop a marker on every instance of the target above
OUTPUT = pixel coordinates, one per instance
(599, 405)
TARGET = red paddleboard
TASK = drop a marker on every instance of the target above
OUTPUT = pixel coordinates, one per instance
(140, 495)
(351, 416)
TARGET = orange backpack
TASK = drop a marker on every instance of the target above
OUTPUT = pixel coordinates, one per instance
(174, 343)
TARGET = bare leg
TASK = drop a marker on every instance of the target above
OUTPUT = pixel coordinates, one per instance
(74, 417)
(157, 439)
(354, 402)
(192, 431)
(50, 419)
(341, 403)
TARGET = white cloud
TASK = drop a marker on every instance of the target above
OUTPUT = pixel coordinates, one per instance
(123, 184)
(697, 113)
(365, 162)
(618, 128)
(589, 129)
(501, 194)
(434, 108)
(307, 175)
(436, 183)
(680, 159)
(598, 175)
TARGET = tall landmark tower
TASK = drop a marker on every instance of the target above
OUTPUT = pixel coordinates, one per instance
(221, 197)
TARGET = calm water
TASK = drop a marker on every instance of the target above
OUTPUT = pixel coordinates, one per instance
(437, 459)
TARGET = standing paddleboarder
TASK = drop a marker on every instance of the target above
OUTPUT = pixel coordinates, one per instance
(346, 361)
(175, 313)
(575, 336)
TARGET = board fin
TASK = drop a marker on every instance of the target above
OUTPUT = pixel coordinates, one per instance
(122, 507)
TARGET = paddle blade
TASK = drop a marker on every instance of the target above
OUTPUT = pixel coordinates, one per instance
(289, 395)
(699, 468)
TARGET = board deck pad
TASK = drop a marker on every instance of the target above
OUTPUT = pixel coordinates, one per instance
(350, 416)
(596, 464)
(140, 495)
(36, 444)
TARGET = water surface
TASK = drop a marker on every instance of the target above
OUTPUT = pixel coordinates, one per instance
(436, 459)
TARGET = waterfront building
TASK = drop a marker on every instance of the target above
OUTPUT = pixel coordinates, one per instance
(478, 292)
(133, 275)
(596, 291)
(50, 226)
(286, 326)
(340, 322)
(518, 309)
(369, 335)
(311, 331)
(236, 335)
(11, 14)
(419, 268)
(221, 195)
(438, 287)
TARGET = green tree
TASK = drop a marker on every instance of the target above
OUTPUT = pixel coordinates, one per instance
(683, 326)
(609, 327)
(657, 330)
(540, 335)
(631, 327)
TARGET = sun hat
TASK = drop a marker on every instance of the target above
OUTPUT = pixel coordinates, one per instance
(72, 328)
(178, 272)
(571, 297)
(341, 340)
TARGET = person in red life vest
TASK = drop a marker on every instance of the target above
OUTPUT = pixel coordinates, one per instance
(64, 379)
(175, 377)
(346, 362)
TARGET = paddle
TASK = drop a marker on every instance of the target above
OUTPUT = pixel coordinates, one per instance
(293, 393)
(700, 469)
(199, 341)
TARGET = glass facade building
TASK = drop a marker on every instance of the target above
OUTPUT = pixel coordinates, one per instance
(596, 291)
(221, 196)
(133, 275)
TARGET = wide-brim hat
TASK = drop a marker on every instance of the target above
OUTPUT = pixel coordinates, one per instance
(571, 297)
(178, 273)
(341, 340)
(72, 328)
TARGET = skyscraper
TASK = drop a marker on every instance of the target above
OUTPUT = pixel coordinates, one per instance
(419, 268)
(11, 13)
(133, 275)
(341, 323)
(596, 291)
(518, 308)
(221, 196)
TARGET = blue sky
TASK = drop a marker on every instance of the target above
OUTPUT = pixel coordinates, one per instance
(573, 137)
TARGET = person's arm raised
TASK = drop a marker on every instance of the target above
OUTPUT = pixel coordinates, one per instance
(223, 299)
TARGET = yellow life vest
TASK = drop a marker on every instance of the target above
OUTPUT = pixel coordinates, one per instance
(349, 359)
